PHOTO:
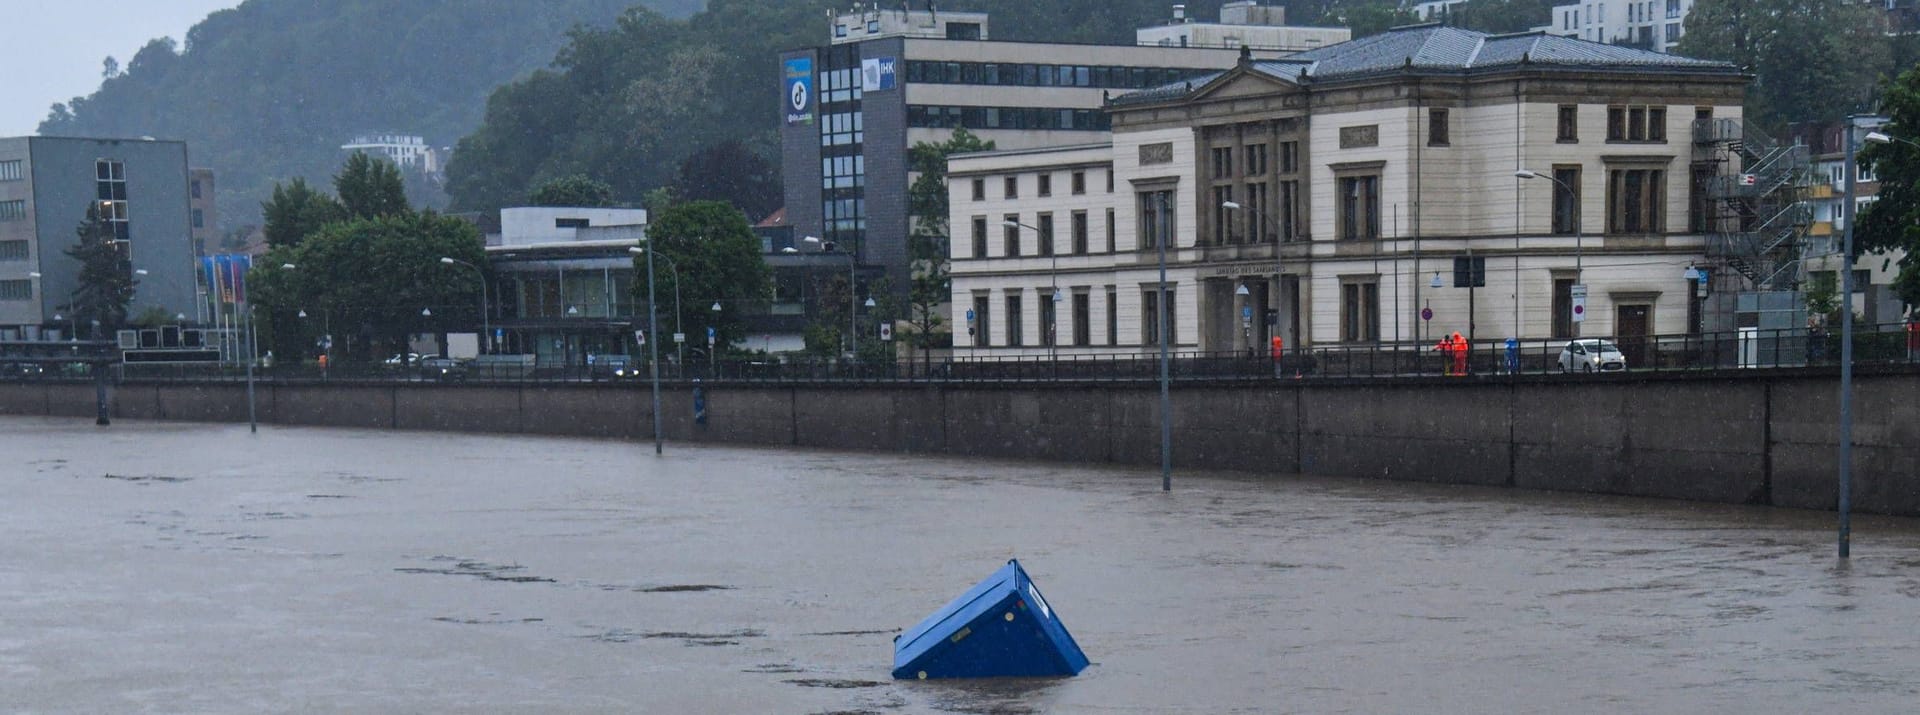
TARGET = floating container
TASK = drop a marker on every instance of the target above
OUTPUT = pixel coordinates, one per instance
(1002, 627)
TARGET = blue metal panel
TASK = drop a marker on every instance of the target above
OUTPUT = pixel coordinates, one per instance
(1002, 627)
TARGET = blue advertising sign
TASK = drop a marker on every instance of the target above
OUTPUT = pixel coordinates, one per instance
(876, 74)
(799, 90)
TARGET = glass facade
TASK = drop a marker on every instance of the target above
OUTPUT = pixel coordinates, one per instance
(1011, 74)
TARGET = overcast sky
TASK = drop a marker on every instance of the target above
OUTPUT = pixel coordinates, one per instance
(53, 48)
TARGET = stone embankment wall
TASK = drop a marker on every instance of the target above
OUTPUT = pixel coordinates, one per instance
(1760, 438)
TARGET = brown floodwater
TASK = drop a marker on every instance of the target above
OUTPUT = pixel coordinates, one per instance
(154, 567)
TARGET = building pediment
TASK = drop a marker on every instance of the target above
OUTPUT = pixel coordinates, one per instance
(1240, 83)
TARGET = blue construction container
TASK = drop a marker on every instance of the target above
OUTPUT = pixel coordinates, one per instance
(1000, 628)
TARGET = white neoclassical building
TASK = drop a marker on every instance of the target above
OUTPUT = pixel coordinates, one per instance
(1321, 197)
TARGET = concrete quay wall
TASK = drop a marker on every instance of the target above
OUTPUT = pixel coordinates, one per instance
(1769, 439)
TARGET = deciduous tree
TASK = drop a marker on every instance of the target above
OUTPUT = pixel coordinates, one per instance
(1891, 223)
(575, 190)
(370, 188)
(297, 211)
(1813, 60)
(719, 262)
(928, 246)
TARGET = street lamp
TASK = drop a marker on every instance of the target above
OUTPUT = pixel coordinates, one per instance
(1579, 278)
(653, 349)
(1053, 328)
(1278, 271)
(853, 330)
(1166, 349)
(486, 330)
(679, 345)
(1846, 331)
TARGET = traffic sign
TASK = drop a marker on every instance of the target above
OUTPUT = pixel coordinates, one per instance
(679, 338)
(710, 335)
(1426, 314)
(969, 315)
(886, 331)
(1579, 293)
(640, 336)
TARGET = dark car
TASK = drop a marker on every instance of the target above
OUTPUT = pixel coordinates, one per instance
(442, 368)
(21, 370)
(604, 367)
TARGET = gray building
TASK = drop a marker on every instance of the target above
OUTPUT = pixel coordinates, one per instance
(890, 79)
(46, 186)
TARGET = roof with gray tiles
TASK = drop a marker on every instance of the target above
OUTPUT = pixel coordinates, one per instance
(1436, 48)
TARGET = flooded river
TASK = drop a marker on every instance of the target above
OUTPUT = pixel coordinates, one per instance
(196, 568)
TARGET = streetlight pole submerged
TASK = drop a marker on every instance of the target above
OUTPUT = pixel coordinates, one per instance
(1846, 352)
(1166, 357)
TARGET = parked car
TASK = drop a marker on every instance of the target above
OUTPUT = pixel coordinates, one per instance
(611, 366)
(442, 368)
(400, 360)
(1592, 355)
(22, 370)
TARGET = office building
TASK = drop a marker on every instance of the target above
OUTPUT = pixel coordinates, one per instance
(889, 79)
(47, 184)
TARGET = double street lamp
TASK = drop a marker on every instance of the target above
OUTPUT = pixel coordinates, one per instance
(853, 325)
(679, 339)
(486, 330)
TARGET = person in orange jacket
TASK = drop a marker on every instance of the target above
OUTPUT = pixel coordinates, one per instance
(1445, 348)
(1460, 350)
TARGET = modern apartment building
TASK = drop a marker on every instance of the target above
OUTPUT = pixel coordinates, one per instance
(141, 186)
(1243, 23)
(406, 151)
(1655, 25)
(1321, 198)
(890, 79)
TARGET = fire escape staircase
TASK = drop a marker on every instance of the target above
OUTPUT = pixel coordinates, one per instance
(1761, 218)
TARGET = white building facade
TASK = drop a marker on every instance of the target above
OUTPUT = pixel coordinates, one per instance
(406, 151)
(1363, 173)
(1655, 25)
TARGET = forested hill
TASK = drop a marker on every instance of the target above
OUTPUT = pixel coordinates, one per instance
(629, 104)
(269, 90)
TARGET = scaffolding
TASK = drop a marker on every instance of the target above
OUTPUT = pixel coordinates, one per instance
(1752, 195)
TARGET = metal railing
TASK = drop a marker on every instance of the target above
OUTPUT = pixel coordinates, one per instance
(1751, 349)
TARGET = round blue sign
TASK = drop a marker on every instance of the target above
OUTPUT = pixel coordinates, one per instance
(1426, 314)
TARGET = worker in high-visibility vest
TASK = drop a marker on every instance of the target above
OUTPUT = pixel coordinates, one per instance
(1460, 350)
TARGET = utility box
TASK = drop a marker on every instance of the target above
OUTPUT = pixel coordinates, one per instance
(1002, 627)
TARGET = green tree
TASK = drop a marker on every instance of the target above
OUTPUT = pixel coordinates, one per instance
(371, 278)
(1891, 223)
(1813, 60)
(106, 281)
(271, 88)
(730, 172)
(719, 262)
(296, 211)
(928, 245)
(575, 190)
(370, 187)
(1366, 17)
(1500, 16)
